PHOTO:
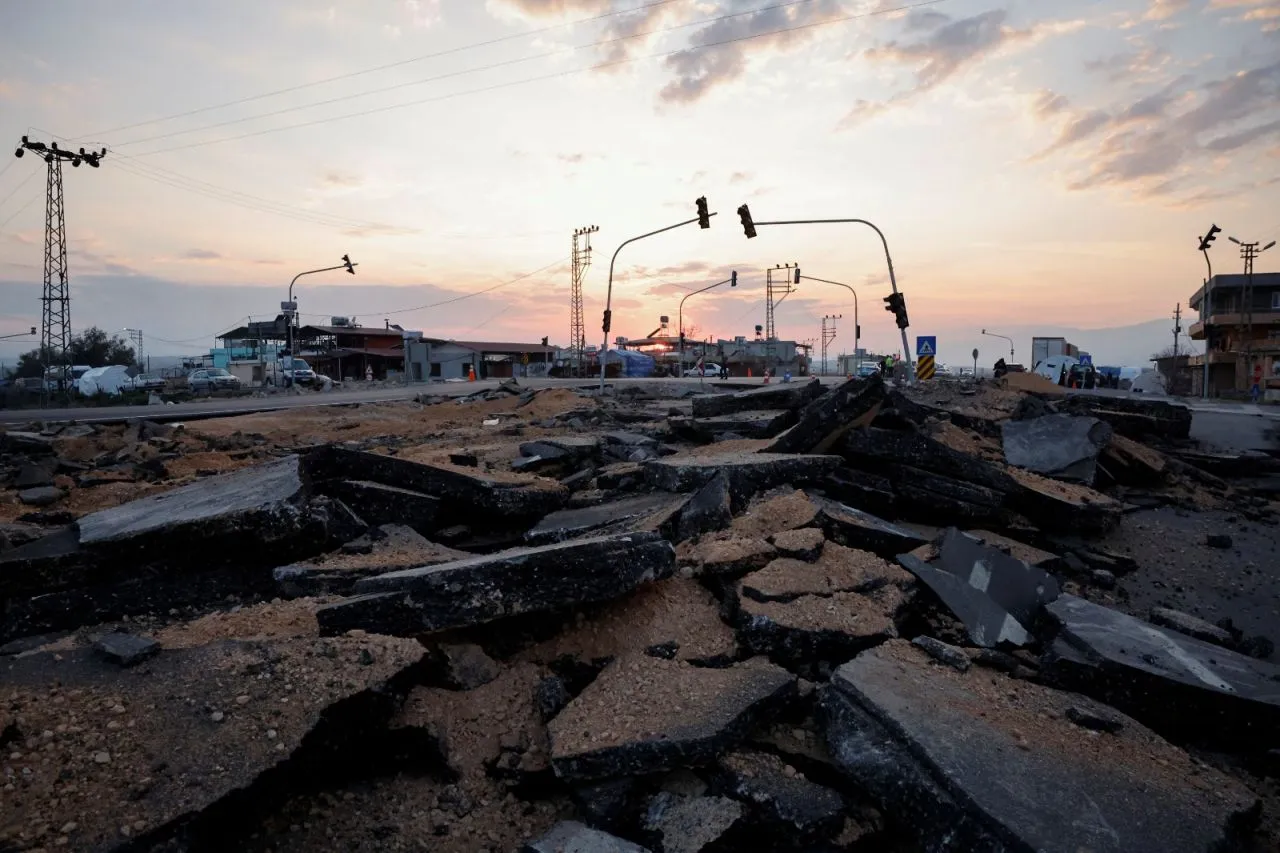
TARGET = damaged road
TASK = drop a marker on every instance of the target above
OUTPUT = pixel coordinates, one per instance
(948, 617)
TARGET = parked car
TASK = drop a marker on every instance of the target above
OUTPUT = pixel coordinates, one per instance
(711, 369)
(209, 379)
(292, 371)
(867, 368)
(147, 382)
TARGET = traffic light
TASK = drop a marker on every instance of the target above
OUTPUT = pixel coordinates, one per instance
(608, 320)
(704, 218)
(897, 304)
(544, 340)
(748, 227)
(1209, 238)
(797, 279)
(733, 279)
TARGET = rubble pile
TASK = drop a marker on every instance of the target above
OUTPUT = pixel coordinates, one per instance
(790, 618)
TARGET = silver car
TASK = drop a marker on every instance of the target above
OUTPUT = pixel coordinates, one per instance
(148, 382)
(208, 379)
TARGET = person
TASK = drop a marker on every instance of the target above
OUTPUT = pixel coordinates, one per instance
(1000, 369)
(724, 371)
(1256, 390)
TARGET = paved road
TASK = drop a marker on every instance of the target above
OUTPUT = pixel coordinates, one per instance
(222, 407)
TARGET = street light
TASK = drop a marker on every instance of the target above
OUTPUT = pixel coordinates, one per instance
(749, 227)
(1206, 301)
(857, 329)
(291, 307)
(703, 216)
(732, 281)
(1010, 340)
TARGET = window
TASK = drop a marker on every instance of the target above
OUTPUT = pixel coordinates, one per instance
(435, 368)
(1275, 300)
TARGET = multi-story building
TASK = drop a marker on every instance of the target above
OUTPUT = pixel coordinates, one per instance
(1242, 320)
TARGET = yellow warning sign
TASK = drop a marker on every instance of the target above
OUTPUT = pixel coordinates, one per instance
(924, 367)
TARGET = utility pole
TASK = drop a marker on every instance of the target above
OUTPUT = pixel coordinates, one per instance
(135, 335)
(55, 314)
(1177, 330)
(1248, 251)
(581, 259)
(1206, 303)
(828, 335)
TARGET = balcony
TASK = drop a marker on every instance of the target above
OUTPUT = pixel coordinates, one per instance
(1260, 318)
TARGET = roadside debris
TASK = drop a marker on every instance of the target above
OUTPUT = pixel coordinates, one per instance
(798, 617)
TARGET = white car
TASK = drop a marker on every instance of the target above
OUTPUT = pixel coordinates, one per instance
(147, 382)
(709, 369)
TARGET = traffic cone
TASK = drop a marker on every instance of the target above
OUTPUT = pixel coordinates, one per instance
(471, 373)
(748, 372)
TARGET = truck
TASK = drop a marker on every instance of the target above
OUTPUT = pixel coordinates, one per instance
(1045, 348)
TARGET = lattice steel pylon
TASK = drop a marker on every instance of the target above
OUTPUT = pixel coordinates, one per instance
(828, 335)
(581, 260)
(55, 314)
(777, 280)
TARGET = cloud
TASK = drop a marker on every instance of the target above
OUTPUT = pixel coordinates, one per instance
(201, 255)
(1141, 64)
(1048, 103)
(340, 180)
(718, 53)
(1152, 145)
(927, 20)
(1163, 10)
(947, 51)
(739, 177)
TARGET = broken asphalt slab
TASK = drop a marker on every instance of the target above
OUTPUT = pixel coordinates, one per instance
(616, 516)
(1021, 589)
(176, 747)
(569, 836)
(803, 810)
(1061, 446)
(781, 396)
(824, 421)
(645, 714)
(1172, 682)
(388, 548)
(745, 473)
(464, 491)
(858, 529)
(987, 623)
(763, 424)
(1131, 416)
(979, 762)
(377, 503)
(494, 586)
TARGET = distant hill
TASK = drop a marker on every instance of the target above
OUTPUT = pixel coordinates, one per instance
(1121, 346)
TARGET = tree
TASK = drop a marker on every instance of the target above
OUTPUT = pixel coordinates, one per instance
(30, 365)
(94, 348)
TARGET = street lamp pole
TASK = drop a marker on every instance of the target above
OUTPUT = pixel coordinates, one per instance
(608, 299)
(893, 281)
(347, 264)
(732, 281)
(992, 334)
(857, 330)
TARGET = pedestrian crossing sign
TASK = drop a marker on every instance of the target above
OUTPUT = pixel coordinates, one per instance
(927, 345)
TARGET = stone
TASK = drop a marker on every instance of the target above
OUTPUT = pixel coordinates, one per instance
(31, 475)
(1176, 684)
(944, 653)
(1020, 589)
(1095, 719)
(381, 504)
(780, 797)
(986, 622)
(781, 396)
(745, 473)
(551, 696)
(126, 649)
(388, 548)
(1062, 446)
(463, 492)
(822, 423)
(646, 715)
(1185, 623)
(28, 443)
(1103, 578)
(314, 694)
(467, 666)
(804, 543)
(465, 460)
(858, 529)
(979, 762)
(1218, 540)
(40, 495)
(569, 836)
(688, 824)
(710, 509)
(487, 587)
(643, 512)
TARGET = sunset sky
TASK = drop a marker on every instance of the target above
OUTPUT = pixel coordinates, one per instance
(1030, 162)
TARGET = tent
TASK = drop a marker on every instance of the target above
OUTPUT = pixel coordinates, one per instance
(632, 364)
(106, 380)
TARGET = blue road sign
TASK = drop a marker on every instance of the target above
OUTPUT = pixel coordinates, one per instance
(927, 345)
(1085, 358)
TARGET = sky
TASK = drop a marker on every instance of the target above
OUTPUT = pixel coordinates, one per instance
(1029, 163)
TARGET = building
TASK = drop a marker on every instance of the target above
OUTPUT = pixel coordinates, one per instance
(438, 360)
(342, 350)
(1242, 324)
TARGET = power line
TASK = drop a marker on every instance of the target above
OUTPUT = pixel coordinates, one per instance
(28, 180)
(387, 67)
(464, 72)
(553, 76)
(10, 217)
